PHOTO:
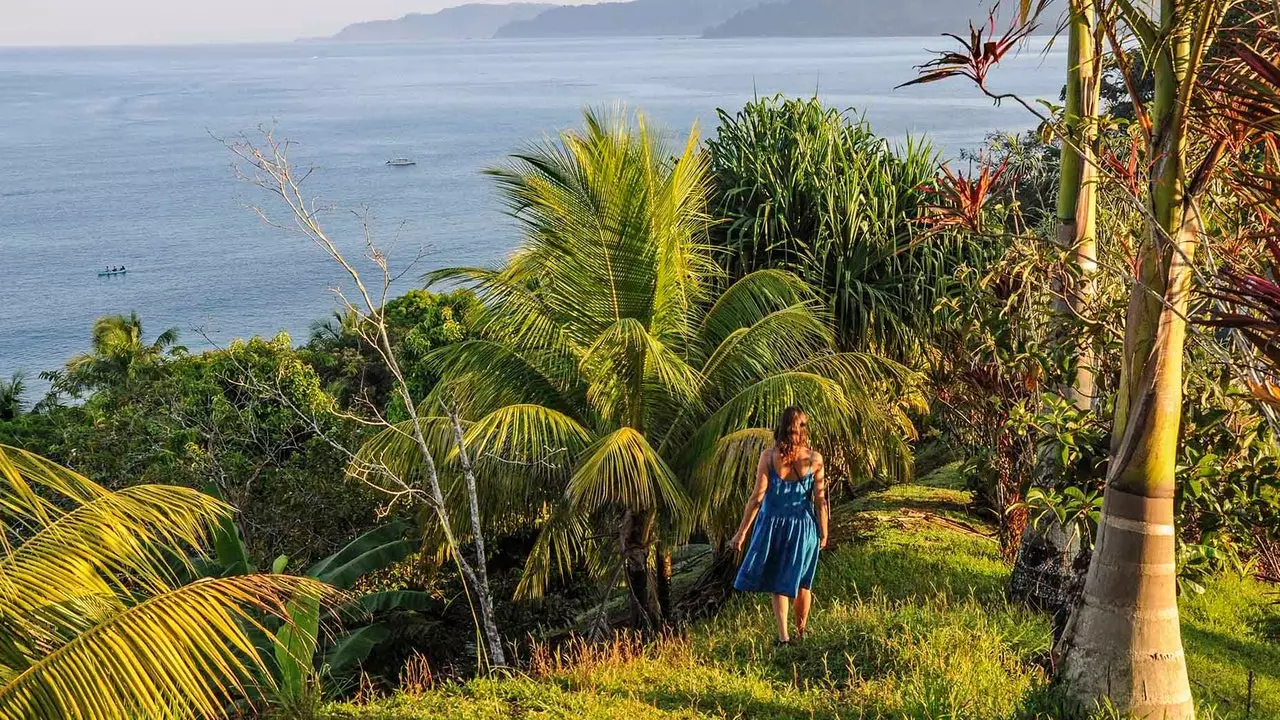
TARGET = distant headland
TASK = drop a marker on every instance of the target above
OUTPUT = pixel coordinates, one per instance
(689, 18)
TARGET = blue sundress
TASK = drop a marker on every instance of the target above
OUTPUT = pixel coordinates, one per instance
(783, 554)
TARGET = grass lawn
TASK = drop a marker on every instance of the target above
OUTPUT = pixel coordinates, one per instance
(910, 622)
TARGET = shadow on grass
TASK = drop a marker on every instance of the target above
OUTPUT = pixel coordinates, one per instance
(730, 703)
(1220, 678)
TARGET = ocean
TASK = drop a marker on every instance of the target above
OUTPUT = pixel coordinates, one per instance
(115, 156)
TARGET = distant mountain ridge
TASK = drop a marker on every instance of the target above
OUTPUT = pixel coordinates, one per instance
(635, 18)
(696, 18)
(851, 18)
(464, 22)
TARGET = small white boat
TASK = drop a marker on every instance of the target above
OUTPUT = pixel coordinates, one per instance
(401, 162)
(109, 273)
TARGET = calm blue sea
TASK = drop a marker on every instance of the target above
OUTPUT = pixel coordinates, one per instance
(108, 156)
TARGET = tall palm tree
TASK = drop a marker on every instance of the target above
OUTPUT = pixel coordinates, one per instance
(1124, 641)
(1045, 563)
(119, 353)
(94, 621)
(11, 392)
(618, 397)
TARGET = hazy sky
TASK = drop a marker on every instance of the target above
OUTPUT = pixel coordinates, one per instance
(140, 22)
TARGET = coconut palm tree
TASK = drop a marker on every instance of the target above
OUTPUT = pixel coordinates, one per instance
(95, 620)
(618, 394)
(119, 354)
(11, 392)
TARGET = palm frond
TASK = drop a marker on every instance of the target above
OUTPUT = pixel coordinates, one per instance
(622, 470)
(721, 481)
(395, 455)
(749, 300)
(181, 654)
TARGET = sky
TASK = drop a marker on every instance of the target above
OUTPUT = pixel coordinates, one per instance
(152, 22)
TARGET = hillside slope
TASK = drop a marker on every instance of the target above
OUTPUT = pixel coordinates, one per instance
(910, 621)
(463, 22)
(833, 18)
(636, 18)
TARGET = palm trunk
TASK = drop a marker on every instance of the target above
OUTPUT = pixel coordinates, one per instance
(634, 533)
(1043, 571)
(1077, 184)
(1124, 641)
(664, 584)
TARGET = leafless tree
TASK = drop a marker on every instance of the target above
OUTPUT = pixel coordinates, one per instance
(265, 163)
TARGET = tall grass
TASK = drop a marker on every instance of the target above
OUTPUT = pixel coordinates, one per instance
(910, 623)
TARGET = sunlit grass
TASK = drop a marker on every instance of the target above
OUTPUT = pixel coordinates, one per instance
(910, 622)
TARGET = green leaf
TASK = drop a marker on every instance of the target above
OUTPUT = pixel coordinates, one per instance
(386, 601)
(354, 647)
(228, 546)
(296, 646)
(374, 550)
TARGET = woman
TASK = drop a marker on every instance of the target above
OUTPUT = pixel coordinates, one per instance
(789, 509)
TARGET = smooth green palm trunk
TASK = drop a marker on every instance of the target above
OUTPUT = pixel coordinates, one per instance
(1125, 642)
(1044, 569)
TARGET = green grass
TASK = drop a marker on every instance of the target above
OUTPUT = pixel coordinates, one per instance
(910, 622)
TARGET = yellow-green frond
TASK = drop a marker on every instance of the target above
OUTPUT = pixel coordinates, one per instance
(561, 544)
(621, 469)
(183, 654)
(69, 572)
(722, 480)
(751, 299)
(395, 456)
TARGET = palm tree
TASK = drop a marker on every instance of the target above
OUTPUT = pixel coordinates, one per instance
(1044, 567)
(95, 621)
(618, 397)
(11, 391)
(1124, 641)
(1211, 125)
(119, 354)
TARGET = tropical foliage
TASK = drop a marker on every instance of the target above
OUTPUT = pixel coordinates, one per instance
(805, 188)
(98, 621)
(614, 390)
(119, 354)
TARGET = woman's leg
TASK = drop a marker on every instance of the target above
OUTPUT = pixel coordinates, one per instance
(804, 601)
(781, 606)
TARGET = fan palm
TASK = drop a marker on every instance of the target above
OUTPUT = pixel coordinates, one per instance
(118, 353)
(94, 622)
(617, 391)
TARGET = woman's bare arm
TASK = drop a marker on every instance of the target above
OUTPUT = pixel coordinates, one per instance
(753, 503)
(820, 506)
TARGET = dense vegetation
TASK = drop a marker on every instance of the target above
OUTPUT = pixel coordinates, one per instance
(1073, 341)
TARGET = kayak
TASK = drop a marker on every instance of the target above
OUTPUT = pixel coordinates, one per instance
(107, 273)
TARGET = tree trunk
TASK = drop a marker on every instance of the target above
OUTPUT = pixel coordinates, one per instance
(1124, 641)
(480, 575)
(634, 532)
(664, 584)
(1043, 571)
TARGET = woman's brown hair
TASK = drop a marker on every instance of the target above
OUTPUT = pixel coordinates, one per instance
(782, 434)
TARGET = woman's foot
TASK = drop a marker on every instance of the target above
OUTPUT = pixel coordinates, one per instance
(799, 638)
(781, 641)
